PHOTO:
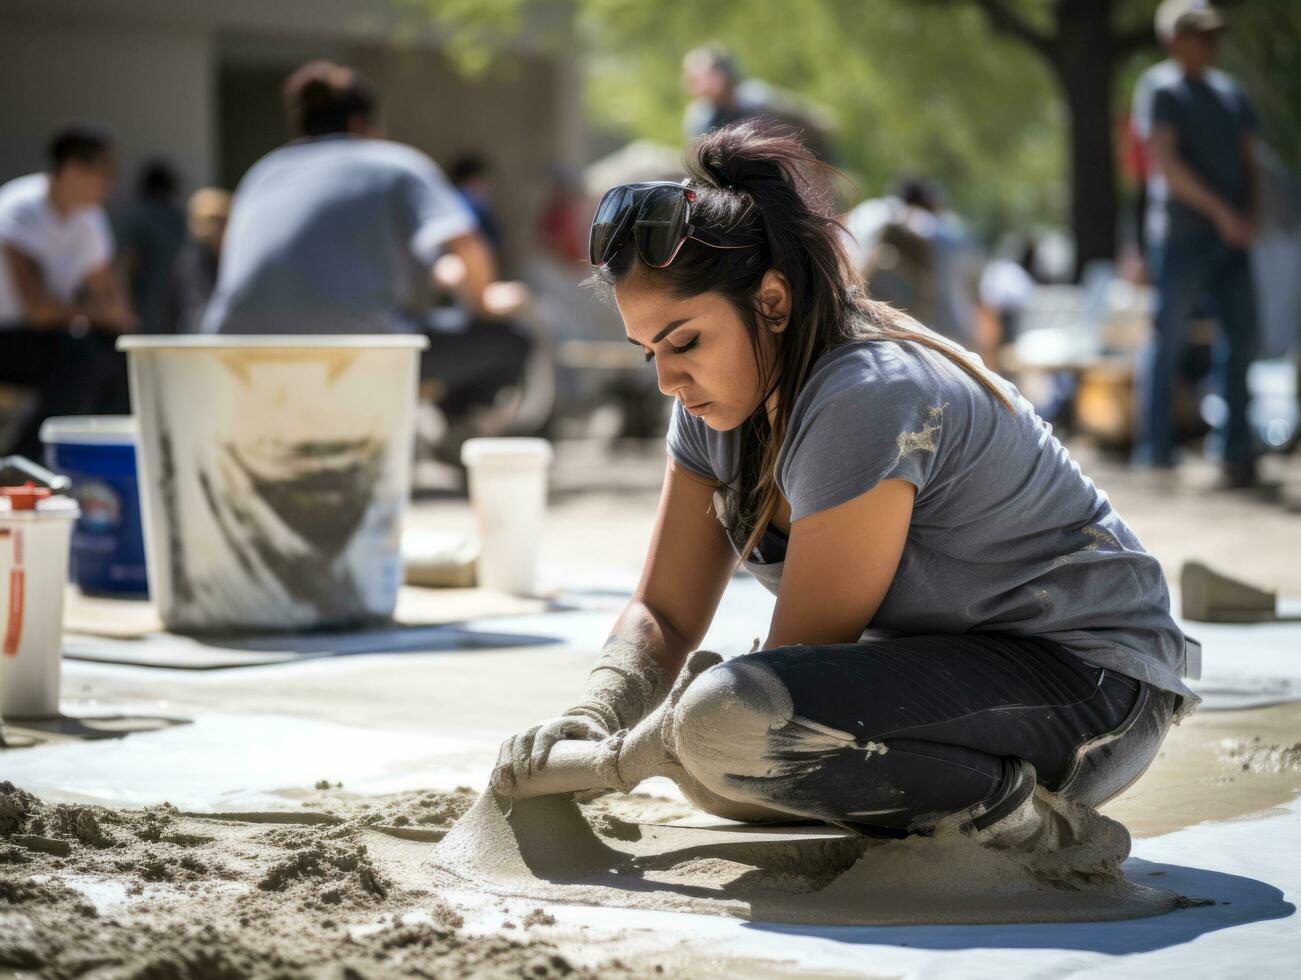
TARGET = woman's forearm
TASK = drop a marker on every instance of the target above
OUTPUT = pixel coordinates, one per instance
(634, 671)
(652, 631)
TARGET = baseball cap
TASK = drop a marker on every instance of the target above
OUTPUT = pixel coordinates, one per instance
(1176, 17)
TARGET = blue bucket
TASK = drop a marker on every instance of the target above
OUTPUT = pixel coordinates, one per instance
(98, 453)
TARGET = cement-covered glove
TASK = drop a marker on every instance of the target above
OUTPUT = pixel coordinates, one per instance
(626, 684)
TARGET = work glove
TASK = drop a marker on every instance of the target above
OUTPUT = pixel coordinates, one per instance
(626, 684)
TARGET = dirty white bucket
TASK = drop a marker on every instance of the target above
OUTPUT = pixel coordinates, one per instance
(274, 474)
(508, 492)
(35, 532)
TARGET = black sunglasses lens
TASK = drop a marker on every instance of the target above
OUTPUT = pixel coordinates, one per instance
(612, 216)
(661, 223)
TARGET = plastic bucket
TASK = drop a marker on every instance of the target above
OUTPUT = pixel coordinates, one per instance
(508, 493)
(275, 473)
(98, 453)
(35, 530)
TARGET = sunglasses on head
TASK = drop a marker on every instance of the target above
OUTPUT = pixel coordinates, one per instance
(654, 215)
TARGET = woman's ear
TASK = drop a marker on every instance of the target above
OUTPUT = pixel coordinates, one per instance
(774, 300)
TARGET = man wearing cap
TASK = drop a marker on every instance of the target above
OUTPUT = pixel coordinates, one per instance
(1201, 221)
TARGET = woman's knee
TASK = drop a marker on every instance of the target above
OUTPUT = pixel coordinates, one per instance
(722, 724)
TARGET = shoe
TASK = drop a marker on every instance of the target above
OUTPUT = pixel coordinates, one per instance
(1062, 840)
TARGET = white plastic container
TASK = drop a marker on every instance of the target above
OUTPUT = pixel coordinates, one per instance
(274, 474)
(508, 492)
(35, 533)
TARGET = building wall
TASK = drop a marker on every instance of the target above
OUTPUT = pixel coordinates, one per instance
(150, 85)
(511, 118)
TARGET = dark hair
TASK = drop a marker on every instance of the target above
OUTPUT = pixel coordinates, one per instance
(322, 98)
(158, 179)
(82, 142)
(720, 60)
(468, 166)
(918, 192)
(767, 188)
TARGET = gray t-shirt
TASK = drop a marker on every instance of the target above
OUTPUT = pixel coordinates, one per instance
(334, 235)
(1007, 534)
(1210, 117)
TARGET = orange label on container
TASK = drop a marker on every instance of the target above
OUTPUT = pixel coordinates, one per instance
(17, 594)
(14, 619)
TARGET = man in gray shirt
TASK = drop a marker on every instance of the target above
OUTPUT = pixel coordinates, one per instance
(1202, 127)
(339, 230)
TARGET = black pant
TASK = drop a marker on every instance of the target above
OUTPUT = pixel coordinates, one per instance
(73, 375)
(890, 735)
(475, 364)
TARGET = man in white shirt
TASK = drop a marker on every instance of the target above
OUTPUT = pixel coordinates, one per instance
(60, 302)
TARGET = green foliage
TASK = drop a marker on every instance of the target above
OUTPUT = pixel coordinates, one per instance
(472, 28)
(1263, 49)
(912, 87)
(919, 86)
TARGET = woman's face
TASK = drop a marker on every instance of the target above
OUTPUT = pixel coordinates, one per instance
(700, 347)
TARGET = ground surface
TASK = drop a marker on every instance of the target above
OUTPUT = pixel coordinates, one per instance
(124, 891)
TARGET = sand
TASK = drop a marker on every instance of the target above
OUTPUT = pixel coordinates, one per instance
(547, 849)
(363, 886)
(1217, 765)
(157, 894)
(384, 886)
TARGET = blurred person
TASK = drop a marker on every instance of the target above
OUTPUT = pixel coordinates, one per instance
(472, 177)
(1006, 286)
(340, 230)
(1201, 143)
(1152, 189)
(712, 79)
(61, 304)
(150, 236)
(955, 601)
(720, 95)
(914, 255)
(195, 275)
(562, 226)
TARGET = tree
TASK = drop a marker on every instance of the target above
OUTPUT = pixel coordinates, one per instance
(913, 88)
(1083, 46)
(1261, 50)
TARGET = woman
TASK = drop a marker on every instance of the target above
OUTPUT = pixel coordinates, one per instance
(869, 473)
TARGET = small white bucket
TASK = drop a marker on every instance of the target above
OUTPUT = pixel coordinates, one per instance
(274, 475)
(35, 534)
(508, 492)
